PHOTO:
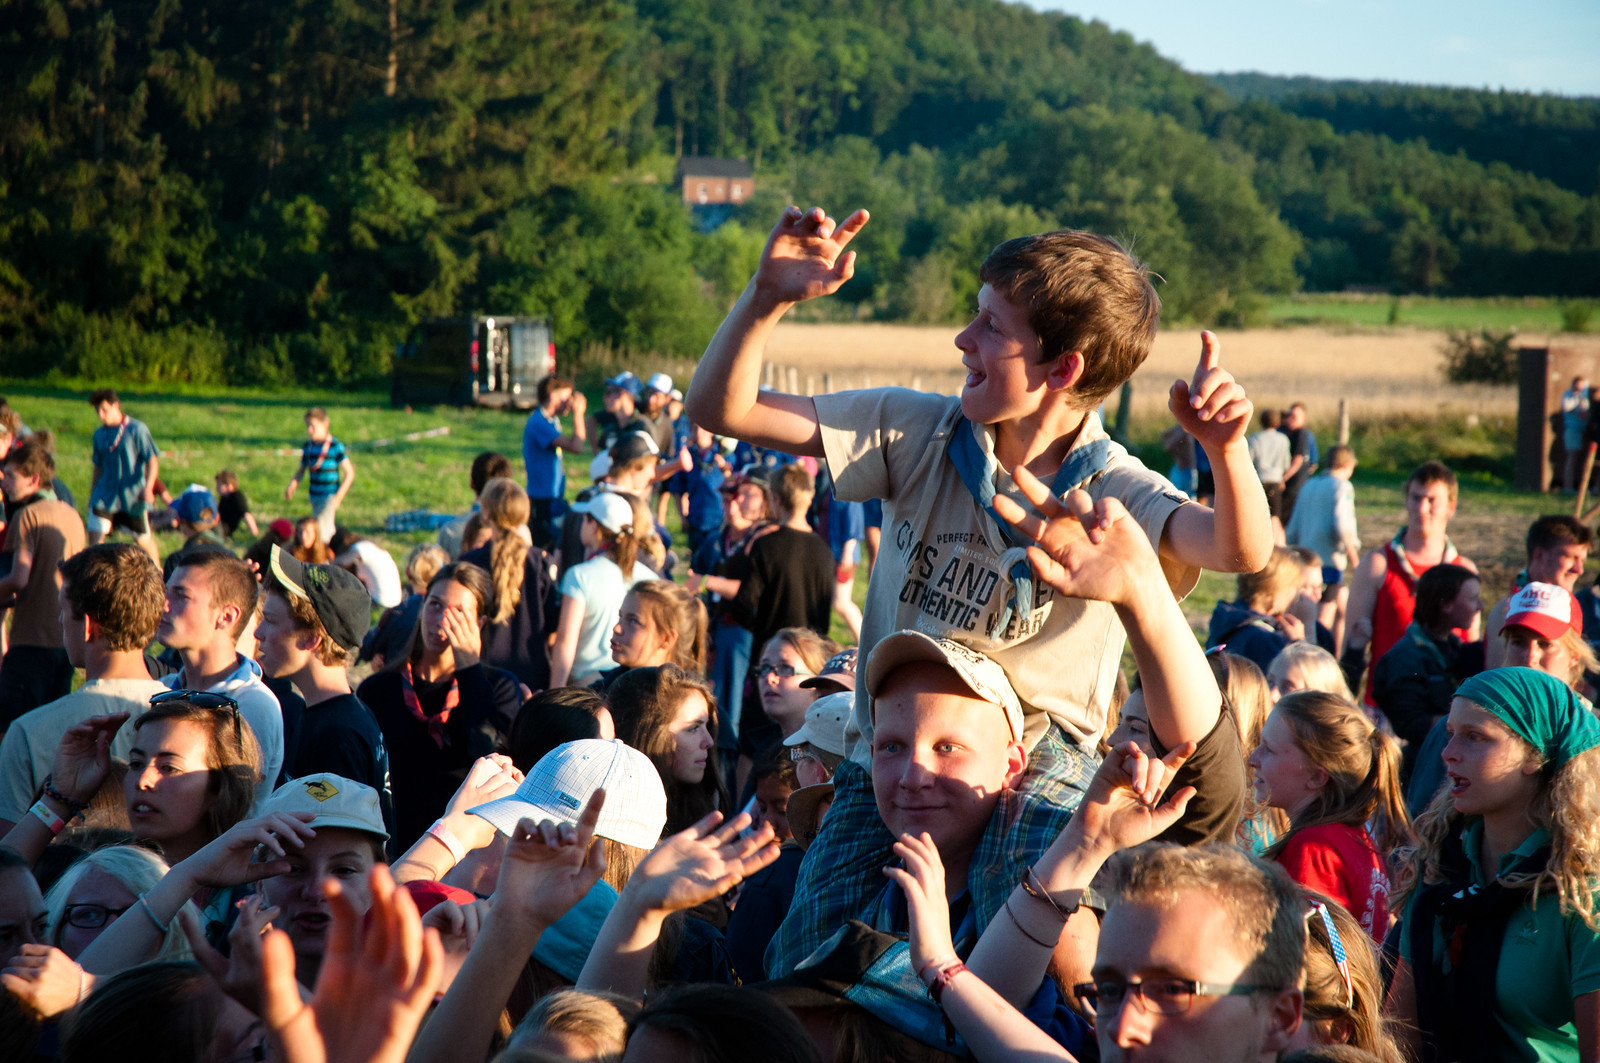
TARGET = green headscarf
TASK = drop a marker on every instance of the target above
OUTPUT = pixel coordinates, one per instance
(1539, 708)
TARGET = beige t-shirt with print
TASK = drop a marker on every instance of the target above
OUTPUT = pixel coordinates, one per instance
(939, 567)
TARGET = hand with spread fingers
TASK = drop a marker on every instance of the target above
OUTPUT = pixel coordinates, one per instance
(249, 851)
(1087, 548)
(1213, 406)
(83, 756)
(375, 985)
(805, 256)
(1124, 805)
(239, 972)
(549, 867)
(458, 926)
(921, 878)
(703, 862)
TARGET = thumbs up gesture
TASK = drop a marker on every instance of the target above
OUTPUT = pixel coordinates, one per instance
(1213, 406)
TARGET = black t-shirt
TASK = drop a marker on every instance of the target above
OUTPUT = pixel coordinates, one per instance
(294, 707)
(789, 584)
(518, 643)
(425, 775)
(1217, 772)
(608, 429)
(1299, 447)
(231, 509)
(341, 735)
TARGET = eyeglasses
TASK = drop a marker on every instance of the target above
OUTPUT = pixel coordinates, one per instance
(1166, 996)
(799, 753)
(90, 916)
(204, 699)
(782, 671)
(1335, 946)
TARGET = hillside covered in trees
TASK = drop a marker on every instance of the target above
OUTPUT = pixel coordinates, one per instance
(274, 190)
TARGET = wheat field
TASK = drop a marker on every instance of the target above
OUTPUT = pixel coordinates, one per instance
(1392, 373)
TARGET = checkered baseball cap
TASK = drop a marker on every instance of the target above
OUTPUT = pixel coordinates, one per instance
(560, 785)
(981, 674)
(1544, 608)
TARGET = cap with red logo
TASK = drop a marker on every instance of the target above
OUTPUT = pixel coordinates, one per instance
(1547, 610)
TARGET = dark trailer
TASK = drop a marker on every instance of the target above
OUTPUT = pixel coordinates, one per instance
(473, 361)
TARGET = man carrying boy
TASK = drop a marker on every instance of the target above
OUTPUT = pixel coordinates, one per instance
(313, 618)
(324, 461)
(542, 444)
(1558, 546)
(126, 463)
(1383, 590)
(41, 534)
(109, 604)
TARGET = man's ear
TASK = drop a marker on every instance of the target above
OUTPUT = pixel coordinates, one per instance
(1065, 371)
(91, 628)
(1283, 1019)
(1016, 764)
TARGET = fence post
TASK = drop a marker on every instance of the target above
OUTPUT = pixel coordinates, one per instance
(1344, 421)
(794, 381)
(827, 383)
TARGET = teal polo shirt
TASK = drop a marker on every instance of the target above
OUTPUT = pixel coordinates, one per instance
(1547, 960)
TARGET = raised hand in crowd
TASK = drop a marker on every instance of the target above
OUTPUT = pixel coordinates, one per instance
(459, 833)
(687, 869)
(374, 987)
(247, 852)
(239, 972)
(82, 763)
(458, 926)
(547, 868)
(1213, 406)
(805, 255)
(46, 980)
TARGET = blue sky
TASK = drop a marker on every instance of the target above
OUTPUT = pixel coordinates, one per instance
(1533, 45)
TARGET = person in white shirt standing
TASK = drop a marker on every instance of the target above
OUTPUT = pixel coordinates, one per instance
(1574, 415)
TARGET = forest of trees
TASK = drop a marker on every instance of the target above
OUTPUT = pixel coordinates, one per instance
(272, 191)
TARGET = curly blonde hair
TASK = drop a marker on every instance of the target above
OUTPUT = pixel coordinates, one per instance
(1567, 805)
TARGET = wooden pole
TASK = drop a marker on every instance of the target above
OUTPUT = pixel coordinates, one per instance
(811, 384)
(1344, 421)
(827, 383)
(916, 381)
(794, 381)
(767, 371)
(1583, 484)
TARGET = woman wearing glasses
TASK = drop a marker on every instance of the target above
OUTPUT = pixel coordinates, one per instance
(791, 655)
(97, 891)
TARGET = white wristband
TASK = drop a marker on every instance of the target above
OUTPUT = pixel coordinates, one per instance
(447, 838)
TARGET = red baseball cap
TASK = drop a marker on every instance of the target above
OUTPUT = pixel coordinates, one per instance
(1545, 609)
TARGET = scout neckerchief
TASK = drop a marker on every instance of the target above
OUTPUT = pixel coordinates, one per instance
(1397, 555)
(1429, 648)
(1456, 991)
(322, 454)
(977, 467)
(435, 724)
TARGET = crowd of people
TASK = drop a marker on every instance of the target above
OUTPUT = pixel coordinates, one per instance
(582, 792)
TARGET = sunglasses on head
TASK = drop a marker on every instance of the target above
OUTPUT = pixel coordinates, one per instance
(203, 699)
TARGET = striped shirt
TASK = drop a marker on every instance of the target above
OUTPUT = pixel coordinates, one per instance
(321, 461)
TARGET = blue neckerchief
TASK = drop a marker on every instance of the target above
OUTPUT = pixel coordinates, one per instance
(977, 469)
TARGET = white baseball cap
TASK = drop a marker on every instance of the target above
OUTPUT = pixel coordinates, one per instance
(659, 382)
(611, 511)
(334, 800)
(600, 465)
(825, 720)
(1546, 609)
(982, 675)
(560, 785)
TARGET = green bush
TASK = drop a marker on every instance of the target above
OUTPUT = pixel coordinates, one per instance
(1485, 358)
(1576, 317)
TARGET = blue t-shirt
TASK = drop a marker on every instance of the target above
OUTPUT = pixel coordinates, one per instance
(541, 458)
(703, 485)
(846, 521)
(321, 462)
(121, 453)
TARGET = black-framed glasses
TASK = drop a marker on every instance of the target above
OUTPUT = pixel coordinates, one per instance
(782, 671)
(90, 916)
(204, 699)
(1166, 996)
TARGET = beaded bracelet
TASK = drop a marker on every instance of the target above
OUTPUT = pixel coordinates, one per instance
(56, 795)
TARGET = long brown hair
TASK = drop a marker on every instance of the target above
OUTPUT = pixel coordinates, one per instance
(505, 506)
(1355, 1019)
(1362, 764)
(644, 702)
(621, 547)
(232, 755)
(468, 575)
(670, 607)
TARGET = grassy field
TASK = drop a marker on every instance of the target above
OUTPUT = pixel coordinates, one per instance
(1372, 311)
(1402, 416)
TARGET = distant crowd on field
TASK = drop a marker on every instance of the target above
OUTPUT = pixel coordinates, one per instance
(567, 787)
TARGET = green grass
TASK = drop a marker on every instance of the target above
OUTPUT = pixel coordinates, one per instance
(258, 435)
(1417, 311)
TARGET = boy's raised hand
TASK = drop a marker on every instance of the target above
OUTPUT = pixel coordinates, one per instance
(805, 256)
(705, 861)
(1213, 406)
(1124, 805)
(922, 881)
(1087, 548)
